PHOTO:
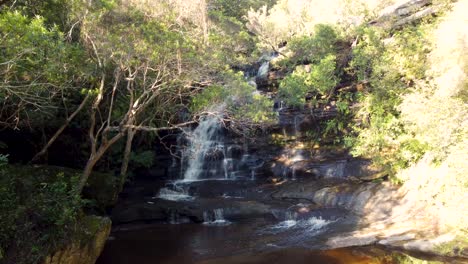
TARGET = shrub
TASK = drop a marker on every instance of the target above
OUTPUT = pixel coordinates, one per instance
(313, 49)
(391, 71)
(237, 100)
(318, 81)
(38, 212)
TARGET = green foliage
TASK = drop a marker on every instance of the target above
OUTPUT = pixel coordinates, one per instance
(211, 95)
(369, 47)
(293, 89)
(390, 70)
(32, 52)
(238, 9)
(241, 101)
(313, 49)
(36, 66)
(143, 159)
(319, 81)
(3, 160)
(322, 76)
(37, 212)
(54, 12)
(230, 43)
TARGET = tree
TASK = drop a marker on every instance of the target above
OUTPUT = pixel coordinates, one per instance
(142, 79)
(38, 70)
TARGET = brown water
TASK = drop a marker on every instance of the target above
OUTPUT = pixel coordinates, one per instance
(235, 243)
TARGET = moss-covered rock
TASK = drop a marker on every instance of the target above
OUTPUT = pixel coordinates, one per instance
(102, 188)
(458, 247)
(41, 212)
(87, 243)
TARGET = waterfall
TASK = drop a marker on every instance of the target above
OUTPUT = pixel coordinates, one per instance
(218, 215)
(215, 217)
(205, 145)
(207, 156)
(179, 194)
(263, 70)
(297, 126)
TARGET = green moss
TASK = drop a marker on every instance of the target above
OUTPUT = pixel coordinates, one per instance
(405, 259)
(88, 227)
(454, 247)
(40, 211)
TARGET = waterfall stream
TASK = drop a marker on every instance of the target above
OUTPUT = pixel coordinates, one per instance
(204, 150)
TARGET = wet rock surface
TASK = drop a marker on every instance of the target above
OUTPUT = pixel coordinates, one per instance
(280, 195)
(86, 247)
(360, 213)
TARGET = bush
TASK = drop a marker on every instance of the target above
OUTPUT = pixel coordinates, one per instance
(392, 70)
(369, 48)
(143, 159)
(38, 212)
(312, 49)
(237, 100)
(3, 160)
(318, 81)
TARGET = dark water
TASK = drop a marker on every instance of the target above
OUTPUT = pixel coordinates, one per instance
(254, 242)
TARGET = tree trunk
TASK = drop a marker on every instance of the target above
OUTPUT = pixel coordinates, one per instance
(126, 158)
(60, 130)
(94, 158)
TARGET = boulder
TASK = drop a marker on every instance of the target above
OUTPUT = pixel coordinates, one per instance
(87, 244)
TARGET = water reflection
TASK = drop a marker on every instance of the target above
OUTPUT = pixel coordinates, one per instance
(235, 243)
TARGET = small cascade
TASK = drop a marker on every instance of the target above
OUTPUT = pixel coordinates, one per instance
(205, 149)
(290, 216)
(227, 166)
(215, 217)
(175, 218)
(289, 220)
(263, 70)
(293, 174)
(279, 106)
(317, 223)
(284, 174)
(297, 130)
(179, 194)
(312, 226)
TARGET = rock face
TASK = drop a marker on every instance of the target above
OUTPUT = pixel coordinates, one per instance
(87, 246)
(404, 13)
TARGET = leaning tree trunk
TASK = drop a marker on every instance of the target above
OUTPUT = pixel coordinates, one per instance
(94, 158)
(60, 130)
(126, 158)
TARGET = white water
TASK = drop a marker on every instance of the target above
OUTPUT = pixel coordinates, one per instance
(313, 224)
(216, 217)
(173, 195)
(297, 129)
(263, 70)
(203, 141)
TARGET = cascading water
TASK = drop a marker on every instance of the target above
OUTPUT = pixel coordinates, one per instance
(176, 193)
(215, 217)
(208, 156)
(297, 130)
(205, 145)
(263, 70)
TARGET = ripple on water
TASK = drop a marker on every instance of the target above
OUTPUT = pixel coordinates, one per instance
(314, 224)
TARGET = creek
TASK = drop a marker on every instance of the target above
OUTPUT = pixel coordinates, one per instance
(228, 199)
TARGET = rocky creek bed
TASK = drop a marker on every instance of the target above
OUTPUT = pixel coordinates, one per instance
(250, 221)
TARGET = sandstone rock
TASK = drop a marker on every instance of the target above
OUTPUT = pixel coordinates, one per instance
(87, 247)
